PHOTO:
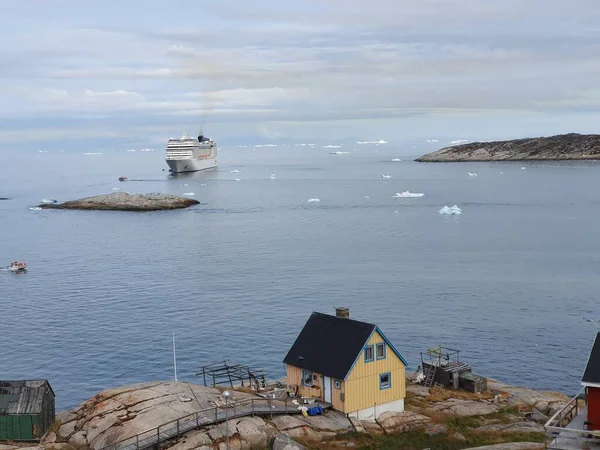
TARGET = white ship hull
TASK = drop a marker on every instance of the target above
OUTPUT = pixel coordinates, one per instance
(187, 154)
(191, 165)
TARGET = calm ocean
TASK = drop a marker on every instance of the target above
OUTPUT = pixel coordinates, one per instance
(507, 282)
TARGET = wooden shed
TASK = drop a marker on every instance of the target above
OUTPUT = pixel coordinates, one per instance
(26, 409)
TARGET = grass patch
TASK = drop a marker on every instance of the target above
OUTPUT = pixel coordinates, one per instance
(439, 394)
(418, 440)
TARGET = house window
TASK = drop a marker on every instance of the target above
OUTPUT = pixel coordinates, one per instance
(307, 378)
(337, 384)
(385, 381)
(380, 351)
(369, 353)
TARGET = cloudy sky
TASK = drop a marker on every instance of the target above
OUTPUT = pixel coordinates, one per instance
(143, 70)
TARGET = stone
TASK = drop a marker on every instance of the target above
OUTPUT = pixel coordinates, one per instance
(65, 417)
(512, 446)
(372, 427)
(399, 422)
(357, 425)
(513, 427)
(122, 201)
(539, 417)
(331, 421)
(192, 440)
(560, 147)
(79, 438)
(48, 438)
(254, 431)
(7, 447)
(465, 407)
(458, 437)
(67, 429)
(418, 390)
(283, 423)
(433, 429)
(284, 442)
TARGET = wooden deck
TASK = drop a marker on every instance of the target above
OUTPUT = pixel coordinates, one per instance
(211, 416)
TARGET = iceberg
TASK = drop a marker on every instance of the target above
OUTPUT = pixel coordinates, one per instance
(453, 211)
(471, 174)
(314, 200)
(386, 176)
(189, 194)
(396, 160)
(407, 194)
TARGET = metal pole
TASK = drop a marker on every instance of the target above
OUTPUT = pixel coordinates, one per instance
(174, 358)
(226, 423)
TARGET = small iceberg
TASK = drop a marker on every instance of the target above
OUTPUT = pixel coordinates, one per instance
(235, 171)
(450, 211)
(396, 160)
(386, 176)
(237, 179)
(35, 208)
(185, 184)
(272, 176)
(338, 153)
(407, 194)
(116, 189)
(471, 174)
(189, 194)
(314, 200)
(523, 168)
(366, 196)
(48, 200)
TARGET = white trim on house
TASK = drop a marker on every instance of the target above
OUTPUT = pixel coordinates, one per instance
(373, 412)
(594, 385)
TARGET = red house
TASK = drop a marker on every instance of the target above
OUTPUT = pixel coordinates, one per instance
(591, 382)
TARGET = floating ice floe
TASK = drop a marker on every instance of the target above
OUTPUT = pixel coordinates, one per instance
(459, 141)
(189, 194)
(235, 171)
(93, 153)
(396, 160)
(338, 153)
(407, 194)
(185, 184)
(432, 140)
(237, 179)
(35, 208)
(272, 176)
(523, 168)
(265, 145)
(471, 174)
(386, 176)
(147, 150)
(131, 150)
(48, 200)
(116, 189)
(366, 196)
(372, 142)
(314, 200)
(332, 146)
(450, 211)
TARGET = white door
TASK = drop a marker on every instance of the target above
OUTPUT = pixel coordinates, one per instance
(327, 389)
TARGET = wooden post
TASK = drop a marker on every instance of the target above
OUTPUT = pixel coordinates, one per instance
(157, 435)
(177, 429)
(137, 441)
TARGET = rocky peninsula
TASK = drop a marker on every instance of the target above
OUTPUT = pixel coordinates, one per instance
(561, 147)
(502, 418)
(122, 201)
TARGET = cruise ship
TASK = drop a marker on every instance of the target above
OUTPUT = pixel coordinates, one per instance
(188, 154)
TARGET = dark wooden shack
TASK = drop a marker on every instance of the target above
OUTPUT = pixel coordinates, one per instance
(442, 366)
(26, 409)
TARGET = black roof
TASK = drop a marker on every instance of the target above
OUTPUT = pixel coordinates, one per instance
(23, 396)
(592, 370)
(329, 345)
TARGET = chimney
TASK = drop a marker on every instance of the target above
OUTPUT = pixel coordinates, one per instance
(342, 312)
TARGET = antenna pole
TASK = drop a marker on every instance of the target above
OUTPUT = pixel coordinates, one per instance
(174, 358)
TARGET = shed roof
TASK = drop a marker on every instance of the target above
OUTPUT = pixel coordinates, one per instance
(330, 345)
(23, 396)
(592, 369)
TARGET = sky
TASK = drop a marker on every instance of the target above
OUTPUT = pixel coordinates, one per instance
(139, 71)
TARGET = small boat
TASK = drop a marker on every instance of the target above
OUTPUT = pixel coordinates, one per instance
(17, 266)
(122, 178)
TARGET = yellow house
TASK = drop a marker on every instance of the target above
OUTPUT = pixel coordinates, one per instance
(347, 363)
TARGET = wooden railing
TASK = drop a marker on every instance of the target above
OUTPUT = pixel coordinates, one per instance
(204, 417)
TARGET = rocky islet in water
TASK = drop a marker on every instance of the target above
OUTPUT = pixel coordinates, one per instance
(122, 201)
(560, 147)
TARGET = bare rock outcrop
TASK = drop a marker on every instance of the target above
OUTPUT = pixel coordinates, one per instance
(122, 201)
(560, 147)
(395, 422)
(512, 446)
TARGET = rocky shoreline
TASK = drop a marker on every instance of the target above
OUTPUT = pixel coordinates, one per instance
(503, 418)
(122, 201)
(560, 147)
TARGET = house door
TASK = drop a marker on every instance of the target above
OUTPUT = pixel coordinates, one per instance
(327, 389)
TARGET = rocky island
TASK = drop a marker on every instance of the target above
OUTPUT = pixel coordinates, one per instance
(502, 418)
(122, 201)
(561, 147)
